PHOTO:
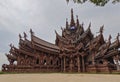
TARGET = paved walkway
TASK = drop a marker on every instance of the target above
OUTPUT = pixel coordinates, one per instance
(54, 77)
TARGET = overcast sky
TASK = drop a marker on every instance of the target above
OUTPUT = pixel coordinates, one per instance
(45, 16)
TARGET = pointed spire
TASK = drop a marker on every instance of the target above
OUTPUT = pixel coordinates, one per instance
(89, 25)
(77, 20)
(110, 37)
(25, 36)
(67, 23)
(10, 45)
(109, 41)
(20, 37)
(82, 25)
(31, 32)
(89, 28)
(72, 23)
(67, 1)
(101, 29)
(118, 36)
(56, 32)
(62, 29)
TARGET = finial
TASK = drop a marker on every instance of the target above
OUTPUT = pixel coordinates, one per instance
(77, 20)
(82, 24)
(72, 11)
(72, 19)
(55, 32)
(67, 1)
(101, 29)
(31, 32)
(20, 36)
(61, 28)
(25, 36)
(89, 25)
(118, 36)
(10, 45)
(110, 37)
(66, 23)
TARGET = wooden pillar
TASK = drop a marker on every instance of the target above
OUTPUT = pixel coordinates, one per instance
(71, 65)
(78, 61)
(117, 63)
(83, 64)
(93, 62)
(61, 64)
(64, 64)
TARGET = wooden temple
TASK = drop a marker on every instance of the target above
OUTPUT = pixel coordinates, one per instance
(76, 50)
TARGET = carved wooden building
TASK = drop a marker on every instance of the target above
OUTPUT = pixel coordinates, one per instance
(76, 50)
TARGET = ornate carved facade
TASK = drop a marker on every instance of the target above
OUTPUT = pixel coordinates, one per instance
(77, 50)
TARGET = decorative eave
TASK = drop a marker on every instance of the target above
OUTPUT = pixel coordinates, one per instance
(111, 53)
(12, 57)
(44, 44)
(60, 38)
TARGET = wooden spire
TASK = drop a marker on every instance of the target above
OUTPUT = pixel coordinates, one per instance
(101, 29)
(118, 36)
(20, 37)
(89, 25)
(72, 23)
(67, 23)
(25, 35)
(31, 32)
(109, 39)
(77, 20)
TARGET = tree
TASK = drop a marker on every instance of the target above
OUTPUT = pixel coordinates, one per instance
(96, 2)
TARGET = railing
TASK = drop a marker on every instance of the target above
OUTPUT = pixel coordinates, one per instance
(28, 68)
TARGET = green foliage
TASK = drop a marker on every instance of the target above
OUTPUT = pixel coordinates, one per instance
(1, 72)
(96, 2)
